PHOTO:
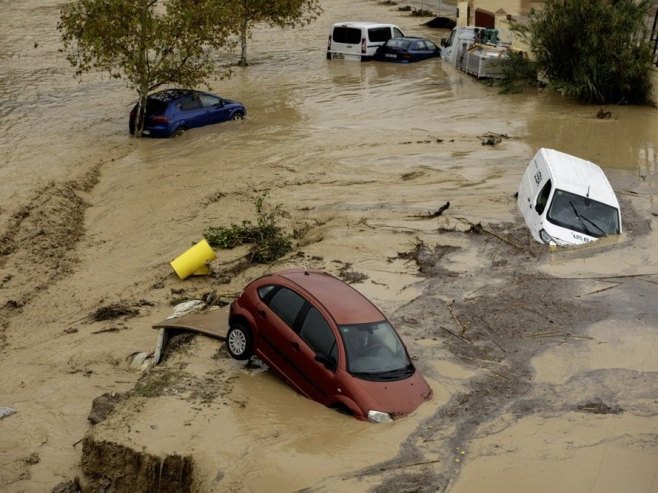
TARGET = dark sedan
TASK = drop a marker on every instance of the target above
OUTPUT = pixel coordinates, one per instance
(407, 49)
(173, 111)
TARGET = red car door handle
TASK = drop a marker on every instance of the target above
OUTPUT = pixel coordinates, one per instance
(262, 314)
(295, 345)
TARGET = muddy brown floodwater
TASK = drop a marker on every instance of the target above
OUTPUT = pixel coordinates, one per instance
(543, 363)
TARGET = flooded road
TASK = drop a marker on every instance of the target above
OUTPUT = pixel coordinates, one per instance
(90, 216)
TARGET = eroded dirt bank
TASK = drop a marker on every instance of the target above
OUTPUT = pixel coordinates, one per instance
(535, 357)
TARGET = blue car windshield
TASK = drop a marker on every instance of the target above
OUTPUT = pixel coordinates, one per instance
(583, 214)
(374, 351)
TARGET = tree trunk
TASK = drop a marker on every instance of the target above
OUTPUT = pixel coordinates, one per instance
(244, 28)
(141, 112)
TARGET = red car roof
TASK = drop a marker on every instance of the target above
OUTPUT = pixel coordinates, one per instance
(344, 303)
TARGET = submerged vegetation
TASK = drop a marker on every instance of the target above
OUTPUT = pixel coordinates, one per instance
(518, 72)
(268, 240)
(596, 51)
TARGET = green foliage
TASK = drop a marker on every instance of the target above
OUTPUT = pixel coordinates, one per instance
(518, 72)
(268, 240)
(147, 43)
(594, 50)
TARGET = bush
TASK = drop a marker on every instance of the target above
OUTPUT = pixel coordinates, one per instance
(518, 72)
(267, 239)
(597, 51)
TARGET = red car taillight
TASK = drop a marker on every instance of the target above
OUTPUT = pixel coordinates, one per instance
(363, 45)
(159, 119)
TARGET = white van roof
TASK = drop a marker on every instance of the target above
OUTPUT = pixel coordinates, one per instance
(579, 176)
(360, 25)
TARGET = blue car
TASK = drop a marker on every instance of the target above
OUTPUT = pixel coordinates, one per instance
(173, 111)
(407, 49)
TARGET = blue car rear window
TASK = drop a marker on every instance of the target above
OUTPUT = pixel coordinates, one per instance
(398, 43)
(155, 106)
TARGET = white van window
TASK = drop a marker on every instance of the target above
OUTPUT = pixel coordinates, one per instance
(347, 35)
(451, 39)
(583, 214)
(379, 34)
(542, 199)
(397, 33)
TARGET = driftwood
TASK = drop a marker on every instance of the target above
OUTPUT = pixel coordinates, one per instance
(456, 335)
(440, 210)
(492, 139)
(479, 229)
(461, 326)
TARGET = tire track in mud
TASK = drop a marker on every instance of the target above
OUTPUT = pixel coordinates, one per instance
(504, 375)
(37, 247)
(495, 335)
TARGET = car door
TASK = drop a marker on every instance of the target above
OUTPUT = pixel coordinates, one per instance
(539, 202)
(191, 112)
(216, 110)
(276, 315)
(432, 49)
(313, 348)
(419, 50)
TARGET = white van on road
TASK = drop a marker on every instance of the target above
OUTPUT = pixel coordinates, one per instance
(359, 40)
(566, 200)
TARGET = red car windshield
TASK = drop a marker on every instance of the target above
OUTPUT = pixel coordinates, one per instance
(375, 352)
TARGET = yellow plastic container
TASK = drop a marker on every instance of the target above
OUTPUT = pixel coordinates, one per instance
(193, 261)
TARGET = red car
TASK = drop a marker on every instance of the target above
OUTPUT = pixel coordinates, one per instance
(329, 342)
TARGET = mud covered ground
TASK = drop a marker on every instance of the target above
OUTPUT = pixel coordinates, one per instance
(543, 363)
(478, 332)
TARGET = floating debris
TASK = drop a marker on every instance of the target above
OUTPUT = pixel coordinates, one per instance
(492, 139)
(6, 411)
(597, 406)
(112, 311)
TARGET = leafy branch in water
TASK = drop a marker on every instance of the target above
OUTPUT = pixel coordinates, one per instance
(268, 240)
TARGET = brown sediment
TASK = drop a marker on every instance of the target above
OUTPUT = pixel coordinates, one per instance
(352, 150)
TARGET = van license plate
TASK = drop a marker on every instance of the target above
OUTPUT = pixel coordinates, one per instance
(338, 56)
(391, 55)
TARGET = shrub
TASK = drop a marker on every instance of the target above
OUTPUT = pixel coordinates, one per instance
(597, 51)
(267, 239)
(518, 72)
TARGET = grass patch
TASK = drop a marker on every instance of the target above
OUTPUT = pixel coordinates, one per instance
(157, 383)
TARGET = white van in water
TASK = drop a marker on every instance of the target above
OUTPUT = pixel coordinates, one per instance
(359, 40)
(477, 51)
(566, 200)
